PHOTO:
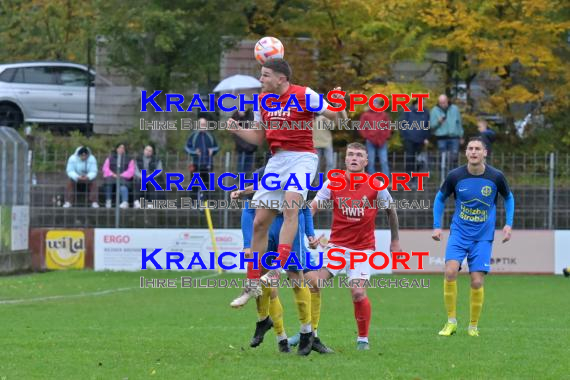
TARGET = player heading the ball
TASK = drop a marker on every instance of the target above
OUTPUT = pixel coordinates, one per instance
(292, 152)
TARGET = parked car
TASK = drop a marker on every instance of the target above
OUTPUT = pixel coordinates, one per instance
(46, 92)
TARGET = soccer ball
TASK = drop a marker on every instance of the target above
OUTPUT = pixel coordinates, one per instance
(268, 48)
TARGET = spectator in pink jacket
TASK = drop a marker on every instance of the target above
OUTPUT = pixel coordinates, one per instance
(118, 168)
(376, 138)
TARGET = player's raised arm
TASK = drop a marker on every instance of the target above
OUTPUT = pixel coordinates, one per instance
(332, 115)
(255, 136)
(240, 193)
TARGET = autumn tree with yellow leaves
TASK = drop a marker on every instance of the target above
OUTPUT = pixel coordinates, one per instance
(515, 50)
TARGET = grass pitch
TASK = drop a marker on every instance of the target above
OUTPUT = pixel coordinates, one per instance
(100, 325)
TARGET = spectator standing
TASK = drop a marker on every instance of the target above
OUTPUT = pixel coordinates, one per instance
(202, 146)
(446, 125)
(244, 150)
(487, 135)
(415, 139)
(376, 138)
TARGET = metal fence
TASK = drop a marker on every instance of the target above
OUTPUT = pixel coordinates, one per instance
(540, 183)
(14, 201)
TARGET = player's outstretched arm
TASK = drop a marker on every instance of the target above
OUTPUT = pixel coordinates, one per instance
(394, 230)
(254, 136)
(438, 208)
(237, 194)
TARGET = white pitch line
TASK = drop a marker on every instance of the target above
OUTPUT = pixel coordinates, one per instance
(80, 295)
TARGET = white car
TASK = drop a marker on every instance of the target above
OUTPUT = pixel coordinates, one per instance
(46, 92)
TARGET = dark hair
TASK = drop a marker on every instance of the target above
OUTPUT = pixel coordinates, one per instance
(118, 145)
(83, 150)
(279, 66)
(478, 138)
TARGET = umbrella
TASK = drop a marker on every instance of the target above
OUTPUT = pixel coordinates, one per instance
(237, 82)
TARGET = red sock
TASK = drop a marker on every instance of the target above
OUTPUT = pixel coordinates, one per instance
(253, 274)
(284, 251)
(362, 313)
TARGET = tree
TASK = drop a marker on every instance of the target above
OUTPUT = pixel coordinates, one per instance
(515, 49)
(516, 45)
(45, 30)
(169, 45)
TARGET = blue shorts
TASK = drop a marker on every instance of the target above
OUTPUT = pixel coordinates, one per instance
(298, 244)
(478, 253)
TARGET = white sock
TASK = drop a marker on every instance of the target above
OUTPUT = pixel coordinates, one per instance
(452, 320)
(362, 339)
(281, 337)
(315, 333)
(306, 328)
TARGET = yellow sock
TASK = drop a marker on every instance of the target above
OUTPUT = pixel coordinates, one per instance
(315, 310)
(276, 314)
(303, 300)
(477, 297)
(263, 303)
(450, 298)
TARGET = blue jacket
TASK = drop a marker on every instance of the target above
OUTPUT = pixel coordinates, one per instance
(202, 140)
(416, 135)
(76, 167)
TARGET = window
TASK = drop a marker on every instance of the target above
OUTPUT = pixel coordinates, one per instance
(40, 75)
(7, 75)
(71, 76)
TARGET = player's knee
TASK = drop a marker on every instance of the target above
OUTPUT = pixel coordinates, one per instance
(450, 274)
(314, 287)
(290, 214)
(476, 283)
(260, 225)
(274, 293)
(358, 294)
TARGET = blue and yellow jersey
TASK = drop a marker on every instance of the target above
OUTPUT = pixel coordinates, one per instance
(475, 200)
